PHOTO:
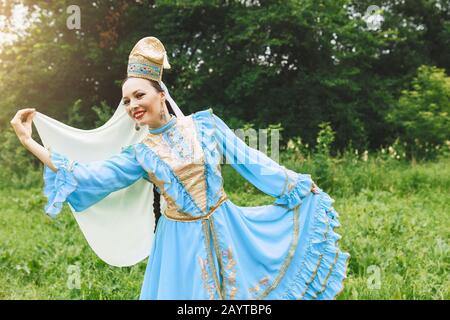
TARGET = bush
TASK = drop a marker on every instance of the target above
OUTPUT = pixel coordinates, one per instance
(422, 114)
(19, 167)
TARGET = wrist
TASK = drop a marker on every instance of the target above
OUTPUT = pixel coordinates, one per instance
(26, 141)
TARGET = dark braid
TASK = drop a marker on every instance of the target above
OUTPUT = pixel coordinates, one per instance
(156, 205)
(156, 194)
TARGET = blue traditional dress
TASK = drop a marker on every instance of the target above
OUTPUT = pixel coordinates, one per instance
(205, 246)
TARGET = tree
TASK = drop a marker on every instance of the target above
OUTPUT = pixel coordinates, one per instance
(422, 114)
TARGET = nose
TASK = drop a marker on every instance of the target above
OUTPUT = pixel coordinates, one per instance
(132, 109)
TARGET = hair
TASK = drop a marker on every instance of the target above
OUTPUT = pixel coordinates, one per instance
(156, 194)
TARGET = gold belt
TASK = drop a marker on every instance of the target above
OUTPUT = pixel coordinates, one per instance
(185, 217)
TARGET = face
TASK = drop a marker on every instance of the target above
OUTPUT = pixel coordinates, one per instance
(142, 101)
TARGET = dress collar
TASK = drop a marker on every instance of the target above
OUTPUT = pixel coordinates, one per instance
(164, 127)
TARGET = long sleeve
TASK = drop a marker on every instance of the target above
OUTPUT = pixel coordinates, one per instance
(84, 184)
(287, 186)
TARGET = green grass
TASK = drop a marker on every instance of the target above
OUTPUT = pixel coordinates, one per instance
(394, 216)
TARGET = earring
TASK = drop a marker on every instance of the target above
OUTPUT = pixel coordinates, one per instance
(162, 115)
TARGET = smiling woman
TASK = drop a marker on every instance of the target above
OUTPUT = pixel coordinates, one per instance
(205, 246)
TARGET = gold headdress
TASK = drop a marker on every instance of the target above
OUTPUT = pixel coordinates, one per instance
(148, 59)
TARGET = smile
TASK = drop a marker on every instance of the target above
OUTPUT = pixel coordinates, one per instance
(138, 115)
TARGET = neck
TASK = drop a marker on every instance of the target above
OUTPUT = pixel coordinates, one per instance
(162, 122)
(167, 124)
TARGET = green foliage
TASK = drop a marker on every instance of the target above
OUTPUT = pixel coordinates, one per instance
(77, 117)
(103, 112)
(325, 138)
(18, 166)
(298, 63)
(423, 112)
(74, 117)
(324, 174)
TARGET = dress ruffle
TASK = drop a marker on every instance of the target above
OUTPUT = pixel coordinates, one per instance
(206, 128)
(294, 197)
(58, 185)
(320, 275)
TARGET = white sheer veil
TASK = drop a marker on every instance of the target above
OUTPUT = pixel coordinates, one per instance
(119, 228)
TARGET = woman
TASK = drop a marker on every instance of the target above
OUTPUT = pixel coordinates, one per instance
(205, 246)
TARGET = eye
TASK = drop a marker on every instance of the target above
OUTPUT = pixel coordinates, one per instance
(139, 95)
(126, 102)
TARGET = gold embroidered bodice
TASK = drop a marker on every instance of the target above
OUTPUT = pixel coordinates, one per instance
(181, 156)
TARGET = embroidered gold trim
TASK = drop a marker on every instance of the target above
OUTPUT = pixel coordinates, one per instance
(316, 268)
(233, 293)
(290, 255)
(208, 288)
(202, 164)
(231, 277)
(312, 277)
(323, 285)
(264, 281)
(205, 224)
(285, 183)
(342, 282)
(191, 175)
(219, 255)
(185, 217)
(175, 215)
(171, 205)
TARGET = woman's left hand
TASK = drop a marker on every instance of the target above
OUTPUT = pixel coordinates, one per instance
(314, 188)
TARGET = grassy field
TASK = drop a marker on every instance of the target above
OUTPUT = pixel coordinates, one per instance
(394, 216)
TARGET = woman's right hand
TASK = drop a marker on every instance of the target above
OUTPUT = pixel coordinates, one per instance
(22, 123)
